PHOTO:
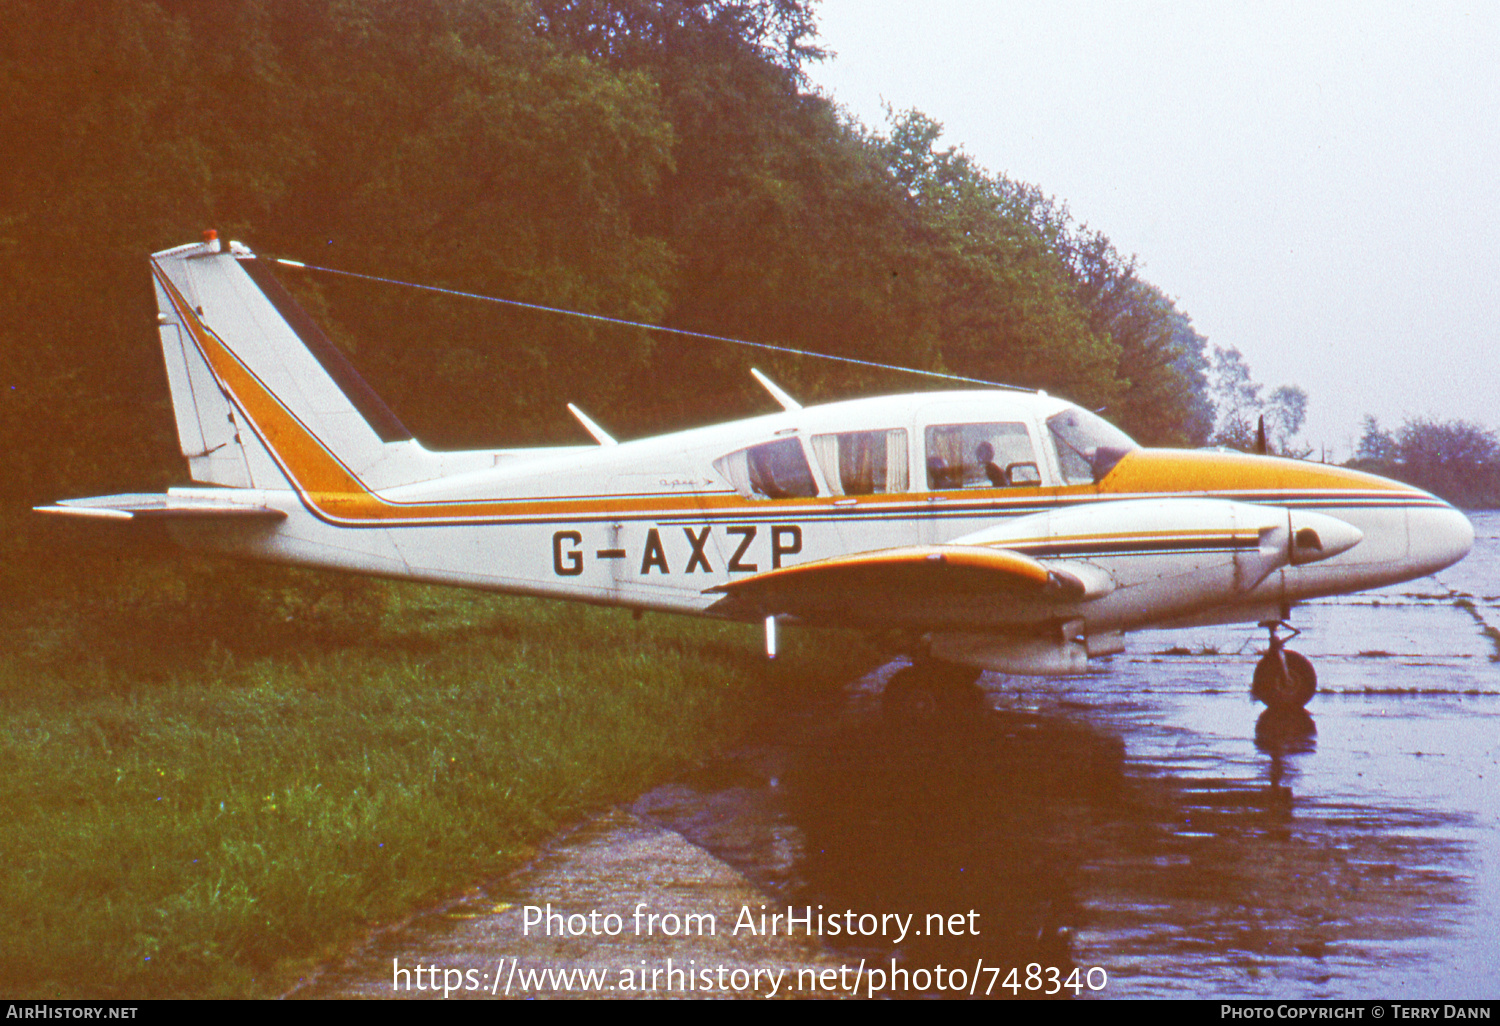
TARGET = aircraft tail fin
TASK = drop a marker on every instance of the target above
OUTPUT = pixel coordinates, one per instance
(261, 395)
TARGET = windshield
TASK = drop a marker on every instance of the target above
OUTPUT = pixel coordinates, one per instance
(1088, 447)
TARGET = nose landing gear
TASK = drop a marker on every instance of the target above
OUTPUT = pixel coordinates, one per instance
(1284, 680)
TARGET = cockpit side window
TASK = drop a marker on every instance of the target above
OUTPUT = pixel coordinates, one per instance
(1088, 447)
(775, 470)
(863, 462)
(992, 455)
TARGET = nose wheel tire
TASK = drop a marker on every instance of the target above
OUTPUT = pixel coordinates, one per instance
(1284, 679)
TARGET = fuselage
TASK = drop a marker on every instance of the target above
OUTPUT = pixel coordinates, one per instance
(659, 522)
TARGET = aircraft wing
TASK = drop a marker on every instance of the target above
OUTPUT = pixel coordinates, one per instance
(952, 572)
(152, 507)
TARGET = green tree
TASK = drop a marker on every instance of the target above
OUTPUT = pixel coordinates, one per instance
(1455, 459)
(784, 228)
(657, 160)
(1424, 442)
(1237, 399)
(1241, 408)
(1005, 306)
(1189, 359)
(1286, 409)
(637, 31)
(1375, 444)
(1160, 361)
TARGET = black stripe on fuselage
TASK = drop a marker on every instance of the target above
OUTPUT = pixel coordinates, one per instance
(1127, 547)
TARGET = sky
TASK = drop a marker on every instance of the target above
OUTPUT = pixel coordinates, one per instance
(1315, 184)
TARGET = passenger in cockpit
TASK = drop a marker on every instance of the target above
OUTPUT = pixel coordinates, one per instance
(984, 452)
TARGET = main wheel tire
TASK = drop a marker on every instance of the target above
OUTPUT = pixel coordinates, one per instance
(911, 694)
(1284, 681)
(930, 688)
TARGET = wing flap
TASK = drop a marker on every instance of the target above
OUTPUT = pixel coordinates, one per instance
(152, 507)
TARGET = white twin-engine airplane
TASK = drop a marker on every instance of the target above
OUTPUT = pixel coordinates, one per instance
(1001, 530)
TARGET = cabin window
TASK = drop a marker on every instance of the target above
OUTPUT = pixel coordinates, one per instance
(1088, 447)
(863, 462)
(775, 470)
(996, 455)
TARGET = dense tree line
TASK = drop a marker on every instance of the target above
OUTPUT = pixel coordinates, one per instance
(657, 160)
(1455, 459)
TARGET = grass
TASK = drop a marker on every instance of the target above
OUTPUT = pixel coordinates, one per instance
(213, 776)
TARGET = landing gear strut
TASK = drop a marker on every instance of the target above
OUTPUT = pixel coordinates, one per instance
(1284, 679)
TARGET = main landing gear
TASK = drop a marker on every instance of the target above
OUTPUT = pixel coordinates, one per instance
(930, 687)
(1284, 680)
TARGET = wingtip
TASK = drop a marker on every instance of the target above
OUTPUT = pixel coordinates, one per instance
(86, 512)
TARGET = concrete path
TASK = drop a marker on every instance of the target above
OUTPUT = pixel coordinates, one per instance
(635, 911)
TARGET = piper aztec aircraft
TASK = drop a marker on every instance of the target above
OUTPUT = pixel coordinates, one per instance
(1001, 530)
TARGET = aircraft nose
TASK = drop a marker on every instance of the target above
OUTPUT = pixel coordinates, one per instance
(1438, 536)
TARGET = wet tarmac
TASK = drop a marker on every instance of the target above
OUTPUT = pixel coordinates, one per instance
(1148, 826)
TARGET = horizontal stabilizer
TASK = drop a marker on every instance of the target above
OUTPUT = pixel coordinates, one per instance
(131, 507)
(913, 573)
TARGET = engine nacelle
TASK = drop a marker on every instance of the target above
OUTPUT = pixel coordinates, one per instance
(1159, 559)
(1226, 546)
